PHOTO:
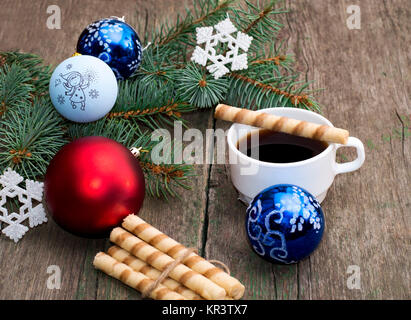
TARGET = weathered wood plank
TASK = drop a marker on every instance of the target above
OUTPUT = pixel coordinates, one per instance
(366, 74)
(367, 212)
(365, 88)
(24, 265)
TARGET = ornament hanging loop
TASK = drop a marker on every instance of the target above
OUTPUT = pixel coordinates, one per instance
(146, 47)
(122, 19)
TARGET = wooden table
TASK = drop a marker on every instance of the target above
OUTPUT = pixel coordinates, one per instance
(366, 77)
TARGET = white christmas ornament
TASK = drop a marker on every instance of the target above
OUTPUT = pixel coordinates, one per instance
(224, 34)
(83, 88)
(36, 215)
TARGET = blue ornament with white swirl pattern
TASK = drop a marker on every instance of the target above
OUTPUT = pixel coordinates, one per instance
(115, 42)
(284, 224)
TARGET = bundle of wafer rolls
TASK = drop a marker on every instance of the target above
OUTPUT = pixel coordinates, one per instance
(281, 124)
(159, 267)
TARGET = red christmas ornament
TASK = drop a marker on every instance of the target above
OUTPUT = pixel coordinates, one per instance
(92, 184)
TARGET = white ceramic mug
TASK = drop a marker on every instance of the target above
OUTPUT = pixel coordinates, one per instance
(251, 176)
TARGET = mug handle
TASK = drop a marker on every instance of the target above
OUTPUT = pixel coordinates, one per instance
(353, 165)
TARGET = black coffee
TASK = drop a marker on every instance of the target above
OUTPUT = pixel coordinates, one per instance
(280, 147)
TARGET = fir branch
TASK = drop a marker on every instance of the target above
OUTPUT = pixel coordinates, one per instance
(271, 71)
(150, 103)
(176, 40)
(261, 15)
(256, 20)
(155, 117)
(200, 88)
(188, 23)
(30, 135)
(39, 73)
(273, 55)
(277, 68)
(171, 109)
(14, 87)
(3, 59)
(277, 60)
(251, 92)
(163, 179)
(155, 67)
(119, 130)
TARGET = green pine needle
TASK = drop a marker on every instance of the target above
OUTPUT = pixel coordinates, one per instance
(149, 103)
(200, 88)
(177, 39)
(39, 73)
(15, 88)
(30, 135)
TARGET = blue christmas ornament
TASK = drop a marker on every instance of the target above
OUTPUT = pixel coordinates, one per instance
(115, 42)
(284, 223)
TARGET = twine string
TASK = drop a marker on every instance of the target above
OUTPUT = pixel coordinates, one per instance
(222, 265)
(147, 292)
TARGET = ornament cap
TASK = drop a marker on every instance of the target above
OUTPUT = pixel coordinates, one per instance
(135, 151)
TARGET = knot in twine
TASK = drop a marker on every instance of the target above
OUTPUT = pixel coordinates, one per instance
(147, 292)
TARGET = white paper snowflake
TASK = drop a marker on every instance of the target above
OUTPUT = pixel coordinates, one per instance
(224, 34)
(36, 215)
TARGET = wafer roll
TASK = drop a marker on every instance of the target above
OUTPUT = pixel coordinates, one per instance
(138, 265)
(134, 279)
(281, 124)
(174, 249)
(159, 260)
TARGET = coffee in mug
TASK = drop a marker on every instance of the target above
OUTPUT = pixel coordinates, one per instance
(278, 147)
(286, 159)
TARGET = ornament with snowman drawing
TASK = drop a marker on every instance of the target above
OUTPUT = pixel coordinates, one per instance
(75, 84)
